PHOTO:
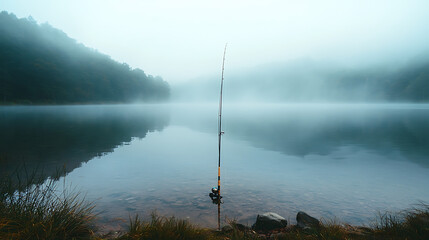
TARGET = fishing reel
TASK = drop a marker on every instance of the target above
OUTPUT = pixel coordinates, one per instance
(215, 196)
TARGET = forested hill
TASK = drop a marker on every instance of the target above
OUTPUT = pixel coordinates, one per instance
(42, 65)
(306, 80)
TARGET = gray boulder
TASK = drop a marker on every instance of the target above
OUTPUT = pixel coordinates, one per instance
(269, 221)
(303, 220)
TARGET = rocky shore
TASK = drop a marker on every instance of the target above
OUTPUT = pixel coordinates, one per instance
(271, 225)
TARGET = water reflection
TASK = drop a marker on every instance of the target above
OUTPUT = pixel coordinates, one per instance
(51, 138)
(346, 161)
(302, 130)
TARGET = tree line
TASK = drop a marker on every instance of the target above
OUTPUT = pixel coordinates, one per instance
(40, 64)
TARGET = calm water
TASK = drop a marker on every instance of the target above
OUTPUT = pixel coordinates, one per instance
(343, 161)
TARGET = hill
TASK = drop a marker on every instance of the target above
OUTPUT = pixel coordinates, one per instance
(40, 64)
(306, 80)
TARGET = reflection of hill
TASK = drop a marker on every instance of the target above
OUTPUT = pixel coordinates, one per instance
(303, 131)
(51, 138)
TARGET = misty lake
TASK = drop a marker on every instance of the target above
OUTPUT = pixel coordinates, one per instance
(347, 161)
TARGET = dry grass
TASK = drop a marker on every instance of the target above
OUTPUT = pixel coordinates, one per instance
(40, 211)
(410, 224)
(163, 228)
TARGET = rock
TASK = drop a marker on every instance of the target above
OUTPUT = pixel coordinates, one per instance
(269, 221)
(303, 220)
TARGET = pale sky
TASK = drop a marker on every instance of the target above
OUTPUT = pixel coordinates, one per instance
(182, 40)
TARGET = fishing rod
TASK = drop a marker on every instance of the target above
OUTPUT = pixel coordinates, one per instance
(215, 194)
(220, 119)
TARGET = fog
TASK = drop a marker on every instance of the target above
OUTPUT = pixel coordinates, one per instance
(183, 40)
(310, 81)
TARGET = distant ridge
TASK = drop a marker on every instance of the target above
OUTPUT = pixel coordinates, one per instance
(307, 80)
(40, 64)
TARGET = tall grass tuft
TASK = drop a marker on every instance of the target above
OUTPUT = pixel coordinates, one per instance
(410, 224)
(163, 228)
(41, 211)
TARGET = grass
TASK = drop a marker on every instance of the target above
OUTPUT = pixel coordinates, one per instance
(41, 211)
(410, 224)
(163, 228)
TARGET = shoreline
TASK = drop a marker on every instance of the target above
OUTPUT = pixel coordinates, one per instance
(41, 212)
(389, 225)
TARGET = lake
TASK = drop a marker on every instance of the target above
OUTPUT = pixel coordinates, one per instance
(343, 161)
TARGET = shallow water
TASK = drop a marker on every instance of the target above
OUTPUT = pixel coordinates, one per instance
(335, 160)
